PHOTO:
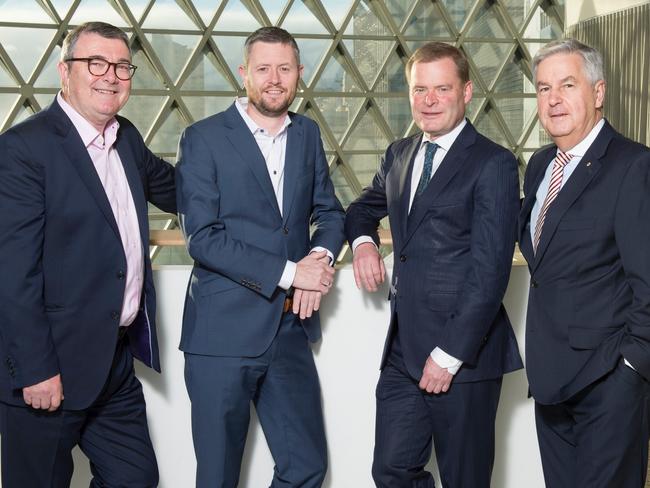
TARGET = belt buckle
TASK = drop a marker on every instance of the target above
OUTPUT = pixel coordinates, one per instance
(288, 304)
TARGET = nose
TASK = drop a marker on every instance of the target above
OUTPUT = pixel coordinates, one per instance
(275, 76)
(110, 75)
(554, 97)
(430, 98)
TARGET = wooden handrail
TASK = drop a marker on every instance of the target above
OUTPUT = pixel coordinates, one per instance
(175, 238)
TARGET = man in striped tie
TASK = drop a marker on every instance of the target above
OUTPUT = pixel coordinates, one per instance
(584, 231)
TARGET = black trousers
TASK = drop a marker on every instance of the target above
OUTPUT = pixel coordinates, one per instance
(599, 437)
(460, 423)
(112, 433)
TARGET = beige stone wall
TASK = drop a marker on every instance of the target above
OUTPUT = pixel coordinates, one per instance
(579, 10)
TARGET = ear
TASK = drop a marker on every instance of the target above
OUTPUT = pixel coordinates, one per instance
(599, 90)
(64, 73)
(243, 73)
(467, 91)
(301, 69)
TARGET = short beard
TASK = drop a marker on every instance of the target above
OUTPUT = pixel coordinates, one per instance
(265, 110)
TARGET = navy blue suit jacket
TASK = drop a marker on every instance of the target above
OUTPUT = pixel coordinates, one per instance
(452, 252)
(589, 301)
(62, 260)
(237, 236)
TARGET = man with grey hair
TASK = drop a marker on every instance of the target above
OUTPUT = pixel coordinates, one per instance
(77, 303)
(584, 231)
(251, 181)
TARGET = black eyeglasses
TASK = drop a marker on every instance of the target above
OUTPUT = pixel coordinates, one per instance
(99, 67)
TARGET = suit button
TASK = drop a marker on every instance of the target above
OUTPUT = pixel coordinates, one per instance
(533, 284)
(120, 275)
(285, 230)
(115, 315)
(402, 258)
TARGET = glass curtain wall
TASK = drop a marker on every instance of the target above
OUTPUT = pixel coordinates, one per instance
(354, 51)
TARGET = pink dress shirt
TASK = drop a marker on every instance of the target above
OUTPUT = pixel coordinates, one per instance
(109, 168)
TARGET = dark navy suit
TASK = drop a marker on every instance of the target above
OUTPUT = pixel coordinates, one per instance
(236, 339)
(63, 269)
(588, 307)
(452, 259)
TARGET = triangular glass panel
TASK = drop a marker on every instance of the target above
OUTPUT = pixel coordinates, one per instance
(325, 134)
(543, 26)
(90, 10)
(62, 7)
(7, 102)
(398, 9)
(146, 76)
(232, 50)
(392, 79)
(44, 99)
(344, 191)
(273, 9)
(427, 21)
(295, 106)
(236, 17)
(141, 110)
(369, 56)
(338, 112)
(457, 10)
(366, 136)
(207, 75)
(22, 11)
(337, 10)
(137, 8)
(517, 11)
(206, 9)
(488, 58)
(364, 167)
(311, 54)
(25, 46)
(202, 107)
(517, 113)
(173, 50)
(366, 22)
(537, 138)
(24, 112)
(336, 77)
(166, 14)
(49, 76)
(6, 80)
(471, 109)
(397, 113)
(487, 23)
(513, 79)
(301, 20)
(489, 127)
(166, 139)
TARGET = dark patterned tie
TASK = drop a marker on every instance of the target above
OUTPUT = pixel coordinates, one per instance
(430, 151)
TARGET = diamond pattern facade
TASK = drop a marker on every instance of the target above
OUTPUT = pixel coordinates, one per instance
(354, 51)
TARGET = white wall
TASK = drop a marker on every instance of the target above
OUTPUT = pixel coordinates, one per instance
(354, 326)
(579, 10)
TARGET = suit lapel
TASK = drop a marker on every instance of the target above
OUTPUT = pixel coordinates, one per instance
(588, 167)
(401, 199)
(135, 184)
(244, 143)
(79, 158)
(292, 165)
(450, 165)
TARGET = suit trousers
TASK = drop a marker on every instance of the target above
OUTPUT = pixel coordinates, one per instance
(113, 433)
(599, 437)
(459, 422)
(283, 385)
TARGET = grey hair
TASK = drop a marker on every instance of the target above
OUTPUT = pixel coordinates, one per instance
(591, 58)
(272, 35)
(102, 29)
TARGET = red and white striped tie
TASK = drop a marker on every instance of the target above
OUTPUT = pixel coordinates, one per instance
(560, 161)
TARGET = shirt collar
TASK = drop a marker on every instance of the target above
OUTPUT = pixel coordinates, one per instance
(445, 141)
(242, 104)
(581, 148)
(88, 133)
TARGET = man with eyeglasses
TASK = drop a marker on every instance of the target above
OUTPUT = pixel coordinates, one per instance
(77, 301)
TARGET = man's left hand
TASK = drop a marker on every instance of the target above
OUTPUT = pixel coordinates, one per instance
(434, 378)
(306, 302)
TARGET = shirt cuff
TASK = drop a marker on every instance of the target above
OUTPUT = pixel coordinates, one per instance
(444, 360)
(627, 363)
(288, 275)
(329, 254)
(361, 240)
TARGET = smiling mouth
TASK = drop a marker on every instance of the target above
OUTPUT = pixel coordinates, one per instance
(105, 92)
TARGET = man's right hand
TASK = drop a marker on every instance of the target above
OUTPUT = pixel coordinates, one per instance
(314, 273)
(369, 270)
(46, 395)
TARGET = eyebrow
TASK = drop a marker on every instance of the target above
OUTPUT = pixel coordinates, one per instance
(98, 56)
(563, 80)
